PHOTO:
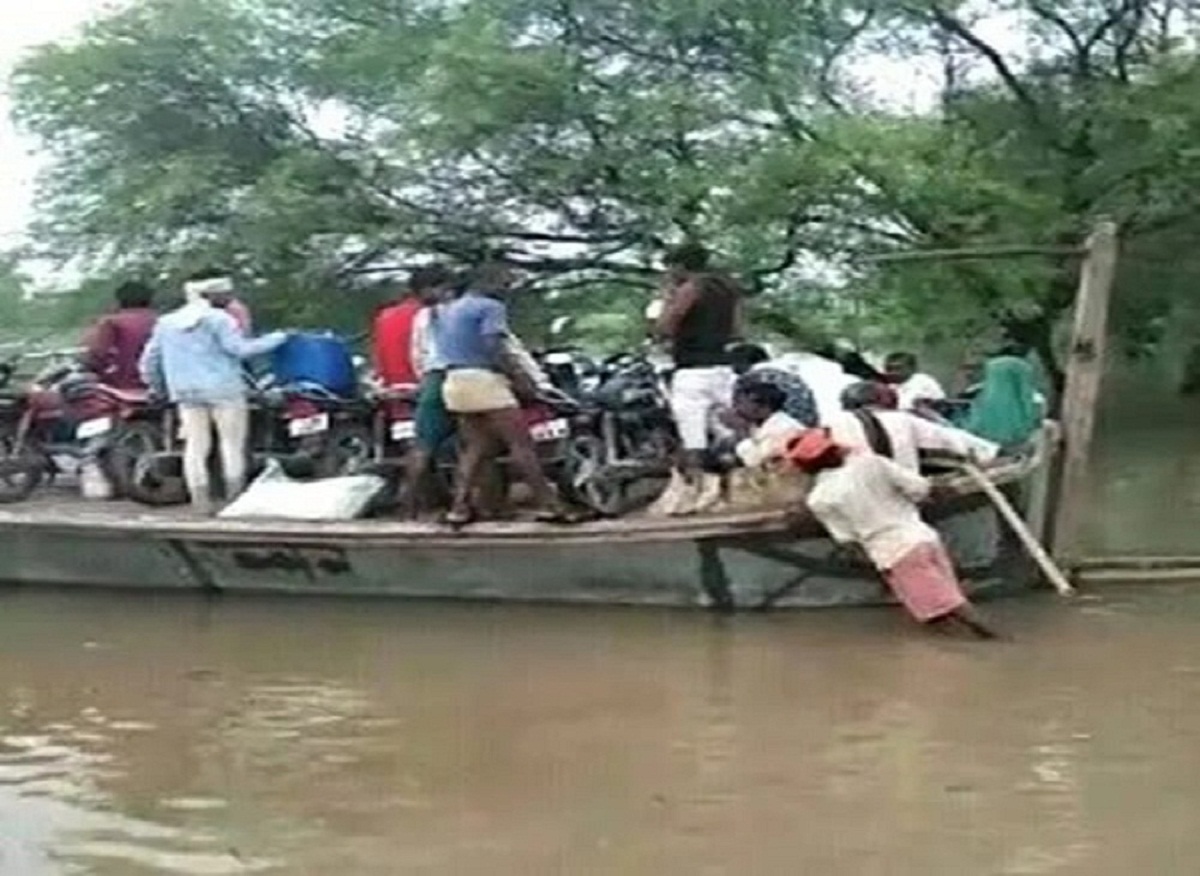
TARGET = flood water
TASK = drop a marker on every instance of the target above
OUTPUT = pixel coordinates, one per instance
(149, 734)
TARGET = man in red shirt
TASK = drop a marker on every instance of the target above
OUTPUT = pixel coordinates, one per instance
(392, 335)
(114, 344)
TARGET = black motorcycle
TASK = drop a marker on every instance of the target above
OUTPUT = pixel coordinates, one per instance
(626, 438)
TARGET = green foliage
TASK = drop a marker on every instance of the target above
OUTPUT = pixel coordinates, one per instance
(313, 145)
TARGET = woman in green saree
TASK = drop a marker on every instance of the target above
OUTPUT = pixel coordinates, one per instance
(1006, 410)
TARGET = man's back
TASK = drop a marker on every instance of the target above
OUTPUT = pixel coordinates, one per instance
(198, 351)
(872, 501)
(116, 344)
(467, 330)
(710, 324)
(392, 342)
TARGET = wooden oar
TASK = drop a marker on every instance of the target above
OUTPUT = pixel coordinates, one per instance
(1009, 513)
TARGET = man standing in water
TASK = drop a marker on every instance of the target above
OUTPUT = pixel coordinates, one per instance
(481, 388)
(701, 316)
(862, 498)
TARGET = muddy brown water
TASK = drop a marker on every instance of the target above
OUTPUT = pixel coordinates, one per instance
(144, 734)
(149, 734)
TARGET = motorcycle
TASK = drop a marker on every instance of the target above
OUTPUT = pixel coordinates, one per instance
(550, 420)
(310, 431)
(66, 413)
(324, 430)
(627, 436)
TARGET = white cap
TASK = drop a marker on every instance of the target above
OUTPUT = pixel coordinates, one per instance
(194, 290)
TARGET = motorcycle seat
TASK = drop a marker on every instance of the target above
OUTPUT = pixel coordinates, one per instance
(127, 396)
(398, 392)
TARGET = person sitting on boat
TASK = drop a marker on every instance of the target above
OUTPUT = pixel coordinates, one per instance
(701, 315)
(1008, 409)
(914, 389)
(481, 389)
(863, 498)
(194, 357)
(826, 378)
(114, 344)
(433, 286)
(871, 421)
(764, 407)
(753, 365)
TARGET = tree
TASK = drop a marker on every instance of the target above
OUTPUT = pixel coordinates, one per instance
(317, 145)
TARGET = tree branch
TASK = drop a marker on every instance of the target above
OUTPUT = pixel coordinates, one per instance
(953, 25)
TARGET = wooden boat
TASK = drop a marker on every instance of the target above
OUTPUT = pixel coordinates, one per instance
(729, 561)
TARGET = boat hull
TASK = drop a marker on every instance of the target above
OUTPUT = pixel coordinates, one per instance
(737, 570)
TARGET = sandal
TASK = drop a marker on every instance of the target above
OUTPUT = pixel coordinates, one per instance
(458, 519)
(559, 516)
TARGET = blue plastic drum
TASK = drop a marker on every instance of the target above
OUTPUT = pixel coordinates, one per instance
(323, 359)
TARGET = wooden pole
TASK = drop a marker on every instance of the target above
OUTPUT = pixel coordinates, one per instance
(1085, 368)
(1052, 572)
(1038, 502)
(1002, 251)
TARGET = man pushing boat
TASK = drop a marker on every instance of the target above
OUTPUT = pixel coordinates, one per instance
(866, 499)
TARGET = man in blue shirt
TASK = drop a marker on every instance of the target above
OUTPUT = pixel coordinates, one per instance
(479, 390)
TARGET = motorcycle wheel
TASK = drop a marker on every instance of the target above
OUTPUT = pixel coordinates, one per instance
(348, 450)
(130, 443)
(157, 480)
(584, 480)
(20, 474)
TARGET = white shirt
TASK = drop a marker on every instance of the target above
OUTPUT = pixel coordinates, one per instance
(769, 440)
(873, 502)
(917, 388)
(826, 378)
(424, 349)
(910, 434)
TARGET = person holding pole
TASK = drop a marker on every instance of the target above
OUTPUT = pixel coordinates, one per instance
(863, 498)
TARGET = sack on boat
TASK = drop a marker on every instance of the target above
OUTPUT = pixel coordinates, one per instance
(765, 487)
(274, 494)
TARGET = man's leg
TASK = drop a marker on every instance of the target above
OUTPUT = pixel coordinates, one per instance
(473, 444)
(509, 427)
(233, 427)
(434, 426)
(195, 425)
(690, 406)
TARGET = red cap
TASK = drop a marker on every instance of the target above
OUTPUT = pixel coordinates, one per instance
(810, 446)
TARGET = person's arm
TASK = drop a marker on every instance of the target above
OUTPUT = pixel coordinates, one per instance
(929, 435)
(233, 342)
(98, 344)
(910, 484)
(678, 305)
(150, 367)
(493, 327)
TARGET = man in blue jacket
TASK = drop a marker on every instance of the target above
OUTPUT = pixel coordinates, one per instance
(194, 357)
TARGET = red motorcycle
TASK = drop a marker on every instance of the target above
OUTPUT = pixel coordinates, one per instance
(67, 413)
(393, 423)
(550, 420)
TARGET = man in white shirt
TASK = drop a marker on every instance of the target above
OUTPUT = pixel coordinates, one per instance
(826, 378)
(771, 428)
(865, 499)
(905, 435)
(912, 386)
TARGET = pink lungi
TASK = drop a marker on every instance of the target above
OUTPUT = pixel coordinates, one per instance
(924, 580)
